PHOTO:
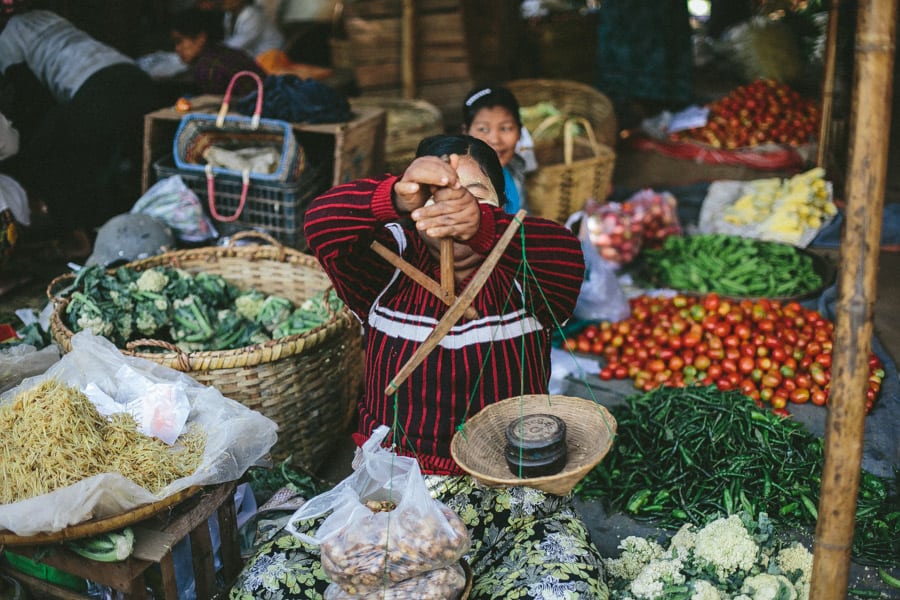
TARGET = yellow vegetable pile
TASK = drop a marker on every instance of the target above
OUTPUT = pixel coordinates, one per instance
(52, 436)
(784, 210)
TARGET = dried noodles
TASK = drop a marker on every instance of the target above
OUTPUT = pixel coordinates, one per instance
(52, 436)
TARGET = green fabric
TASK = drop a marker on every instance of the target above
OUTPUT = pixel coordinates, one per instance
(525, 544)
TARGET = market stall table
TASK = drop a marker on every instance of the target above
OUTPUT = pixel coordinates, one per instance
(155, 538)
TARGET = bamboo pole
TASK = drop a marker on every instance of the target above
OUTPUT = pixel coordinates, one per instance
(844, 428)
(828, 85)
(408, 49)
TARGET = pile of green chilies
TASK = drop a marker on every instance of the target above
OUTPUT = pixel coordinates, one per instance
(686, 454)
(731, 266)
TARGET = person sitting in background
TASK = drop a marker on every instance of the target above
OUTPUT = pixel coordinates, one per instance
(248, 28)
(524, 542)
(197, 35)
(492, 114)
(82, 158)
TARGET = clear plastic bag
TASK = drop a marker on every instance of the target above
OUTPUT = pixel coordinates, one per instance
(384, 526)
(445, 583)
(601, 297)
(658, 215)
(615, 233)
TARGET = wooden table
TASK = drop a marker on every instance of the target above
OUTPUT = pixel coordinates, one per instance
(155, 539)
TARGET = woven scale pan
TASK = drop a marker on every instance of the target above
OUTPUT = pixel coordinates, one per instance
(479, 447)
(307, 383)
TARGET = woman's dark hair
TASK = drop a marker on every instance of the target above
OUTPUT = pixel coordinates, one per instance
(193, 21)
(489, 97)
(466, 145)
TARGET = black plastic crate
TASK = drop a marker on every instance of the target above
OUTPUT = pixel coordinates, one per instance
(276, 208)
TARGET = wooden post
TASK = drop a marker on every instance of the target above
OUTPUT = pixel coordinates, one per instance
(828, 85)
(844, 428)
(408, 49)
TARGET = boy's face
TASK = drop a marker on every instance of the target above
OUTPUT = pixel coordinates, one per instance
(188, 48)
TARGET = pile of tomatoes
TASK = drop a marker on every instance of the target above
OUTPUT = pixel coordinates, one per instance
(774, 353)
(764, 111)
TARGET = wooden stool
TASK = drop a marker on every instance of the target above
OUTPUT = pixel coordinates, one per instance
(154, 540)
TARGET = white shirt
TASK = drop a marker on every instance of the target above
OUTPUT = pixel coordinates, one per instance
(9, 138)
(253, 32)
(59, 54)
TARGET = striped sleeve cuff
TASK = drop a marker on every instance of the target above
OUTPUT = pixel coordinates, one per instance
(383, 202)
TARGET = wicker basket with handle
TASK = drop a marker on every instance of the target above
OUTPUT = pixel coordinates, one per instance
(584, 170)
(307, 383)
(572, 99)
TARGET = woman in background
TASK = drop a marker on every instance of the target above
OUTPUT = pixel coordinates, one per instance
(197, 35)
(491, 114)
(82, 156)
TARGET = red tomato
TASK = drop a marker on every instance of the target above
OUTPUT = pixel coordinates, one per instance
(746, 364)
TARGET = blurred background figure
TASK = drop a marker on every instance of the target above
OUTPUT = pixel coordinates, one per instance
(82, 157)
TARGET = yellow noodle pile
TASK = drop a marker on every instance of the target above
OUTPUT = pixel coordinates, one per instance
(52, 436)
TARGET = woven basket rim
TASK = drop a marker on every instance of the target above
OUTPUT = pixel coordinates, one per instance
(493, 419)
(252, 354)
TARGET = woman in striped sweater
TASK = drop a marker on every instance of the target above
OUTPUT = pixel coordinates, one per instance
(525, 543)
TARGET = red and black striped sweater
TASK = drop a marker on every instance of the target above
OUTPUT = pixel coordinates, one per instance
(503, 353)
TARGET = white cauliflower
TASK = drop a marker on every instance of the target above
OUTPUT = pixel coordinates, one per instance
(683, 541)
(152, 280)
(653, 579)
(637, 552)
(765, 586)
(704, 590)
(726, 545)
(796, 561)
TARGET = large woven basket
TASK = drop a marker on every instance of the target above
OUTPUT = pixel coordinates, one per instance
(479, 446)
(572, 99)
(408, 121)
(307, 383)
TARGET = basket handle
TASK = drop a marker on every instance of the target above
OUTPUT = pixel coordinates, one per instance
(182, 360)
(568, 137)
(55, 290)
(569, 123)
(211, 195)
(249, 233)
(226, 101)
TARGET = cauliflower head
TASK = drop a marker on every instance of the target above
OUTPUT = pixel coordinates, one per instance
(152, 280)
(766, 586)
(637, 552)
(726, 545)
(655, 577)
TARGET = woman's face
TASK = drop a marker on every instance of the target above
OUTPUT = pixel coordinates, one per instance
(498, 127)
(188, 48)
(479, 185)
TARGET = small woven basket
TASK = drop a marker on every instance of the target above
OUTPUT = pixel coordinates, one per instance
(408, 121)
(479, 447)
(572, 99)
(307, 383)
(579, 169)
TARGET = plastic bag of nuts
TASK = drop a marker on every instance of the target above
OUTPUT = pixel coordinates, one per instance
(446, 583)
(384, 526)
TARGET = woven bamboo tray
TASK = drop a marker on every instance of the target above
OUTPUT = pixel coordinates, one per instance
(98, 526)
(479, 447)
(408, 121)
(307, 383)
